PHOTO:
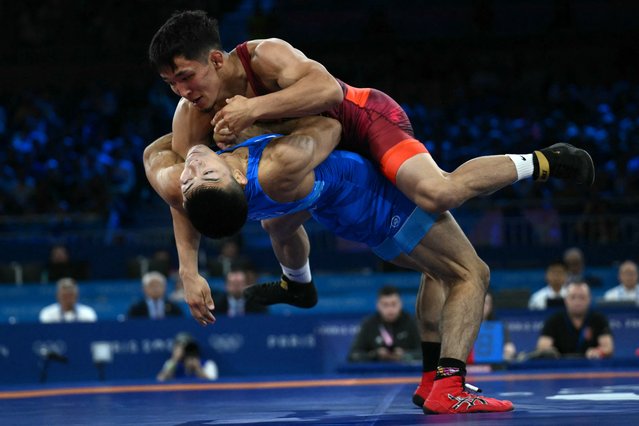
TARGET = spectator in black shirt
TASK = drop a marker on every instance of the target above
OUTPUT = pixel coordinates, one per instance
(576, 329)
(389, 335)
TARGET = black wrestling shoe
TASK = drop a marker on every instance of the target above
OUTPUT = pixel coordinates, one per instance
(302, 295)
(564, 161)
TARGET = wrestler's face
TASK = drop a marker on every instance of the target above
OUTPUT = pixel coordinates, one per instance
(203, 167)
(196, 81)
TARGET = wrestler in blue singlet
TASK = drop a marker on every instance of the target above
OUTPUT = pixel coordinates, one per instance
(350, 197)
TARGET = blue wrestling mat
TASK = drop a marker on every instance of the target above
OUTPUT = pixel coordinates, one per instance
(567, 397)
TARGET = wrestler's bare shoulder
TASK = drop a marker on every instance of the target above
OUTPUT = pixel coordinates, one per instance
(266, 45)
(187, 109)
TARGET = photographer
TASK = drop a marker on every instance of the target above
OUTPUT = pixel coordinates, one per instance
(185, 361)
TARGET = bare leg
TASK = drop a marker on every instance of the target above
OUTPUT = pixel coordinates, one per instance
(292, 248)
(435, 190)
(428, 308)
(446, 254)
(289, 239)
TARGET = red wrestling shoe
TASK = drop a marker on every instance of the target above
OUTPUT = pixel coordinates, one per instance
(449, 396)
(423, 389)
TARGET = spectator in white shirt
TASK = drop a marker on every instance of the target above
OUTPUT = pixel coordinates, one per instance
(555, 290)
(627, 290)
(67, 309)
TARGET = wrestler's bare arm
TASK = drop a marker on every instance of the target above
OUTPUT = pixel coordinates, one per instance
(301, 87)
(293, 158)
(163, 168)
(190, 127)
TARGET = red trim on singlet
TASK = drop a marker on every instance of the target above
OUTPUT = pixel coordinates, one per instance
(393, 159)
(245, 57)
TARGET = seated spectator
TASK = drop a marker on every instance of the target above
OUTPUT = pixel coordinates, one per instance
(388, 335)
(576, 265)
(489, 315)
(232, 302)
(627, 290)
(161, 262)
(177, 295)
(155, 305)
(67, 309)
(576, 330)
(554, 292)
(229, 258)
(60, 265)
(185, 361)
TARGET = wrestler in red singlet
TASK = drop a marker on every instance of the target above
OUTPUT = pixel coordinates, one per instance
(373, 124)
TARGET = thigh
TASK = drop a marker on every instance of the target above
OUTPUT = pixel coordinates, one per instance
(284, 226)
(444, 253)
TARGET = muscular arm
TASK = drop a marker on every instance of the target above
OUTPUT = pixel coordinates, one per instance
(190, 127)
(300, 87)
(294, 157)
(163, 168)
(307, 87)
(292, 161)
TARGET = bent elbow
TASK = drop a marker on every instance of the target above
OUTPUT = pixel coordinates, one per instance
(337, 94)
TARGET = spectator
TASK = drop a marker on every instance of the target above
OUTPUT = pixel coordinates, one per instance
(161, 262)
(554, 292)
(627, 290)
(576, 330)
(576, 265)
(388, 335)
(155, 305)
(177, 295)
(229, 258)
(509, 350)
(67, 309)
(232, 302)
(185, 361)
(60, 265)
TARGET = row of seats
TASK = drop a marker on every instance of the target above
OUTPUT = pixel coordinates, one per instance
(339, 293)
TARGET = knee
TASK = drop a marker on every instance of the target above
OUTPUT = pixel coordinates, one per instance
(437, 199)
(474, 273)
(483, 274)
(276, 228)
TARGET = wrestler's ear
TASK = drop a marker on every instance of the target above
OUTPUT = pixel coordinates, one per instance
(239, 177)
(216, 57)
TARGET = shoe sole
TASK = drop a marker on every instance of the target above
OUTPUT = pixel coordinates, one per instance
(430, 412)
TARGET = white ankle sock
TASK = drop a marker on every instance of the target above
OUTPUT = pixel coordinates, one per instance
(524, 165)
(301, 275)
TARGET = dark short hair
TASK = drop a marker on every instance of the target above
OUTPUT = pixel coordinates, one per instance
(387, 290)
(191, 34)
(217, 212)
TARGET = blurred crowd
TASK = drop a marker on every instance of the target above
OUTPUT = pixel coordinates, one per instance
(82, 152)
(74, 130)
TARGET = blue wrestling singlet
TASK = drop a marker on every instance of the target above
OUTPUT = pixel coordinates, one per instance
(350, 197)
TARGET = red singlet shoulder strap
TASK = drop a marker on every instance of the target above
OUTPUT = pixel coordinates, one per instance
(256, 84)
